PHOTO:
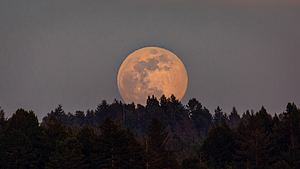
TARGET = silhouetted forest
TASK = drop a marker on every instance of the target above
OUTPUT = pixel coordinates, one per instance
(163, 134)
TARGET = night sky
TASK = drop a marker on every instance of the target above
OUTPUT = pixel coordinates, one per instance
(243, 53)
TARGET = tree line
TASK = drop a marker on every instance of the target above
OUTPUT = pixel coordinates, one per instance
(163, 134)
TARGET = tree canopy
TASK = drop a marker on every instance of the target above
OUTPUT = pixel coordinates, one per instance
(163, 134)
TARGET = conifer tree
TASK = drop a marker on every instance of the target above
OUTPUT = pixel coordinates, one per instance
(88, 140)
(157, 155)
(286, 137)
(220, 117)
(254, 141)
(219, 148)
(2, 119)
(68, 154)
(200, 116)
(117, 149)
(234, 119)
(22, 142)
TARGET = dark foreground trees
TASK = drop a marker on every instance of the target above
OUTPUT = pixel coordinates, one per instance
(156, 152)
(117, 148)
(164, 134)
(219, 148)
(260, 142)
(24, 144)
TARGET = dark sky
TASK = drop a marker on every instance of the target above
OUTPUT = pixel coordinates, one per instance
(243, 53)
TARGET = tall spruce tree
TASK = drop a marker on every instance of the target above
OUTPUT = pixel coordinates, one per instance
(68, 154)
(22, 142)
(220, 117)
(219, 148)
(234, 119)
(254, 140)
(157, 155)
(286, 137)
(88, 140)
(117, 149)
(200, 116)
(191, 163)
(2, 119)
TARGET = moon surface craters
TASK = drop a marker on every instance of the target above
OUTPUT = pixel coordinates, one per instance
(151, 71)
(143, 69)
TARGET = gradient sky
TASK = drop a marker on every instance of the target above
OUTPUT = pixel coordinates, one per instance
(243, 53)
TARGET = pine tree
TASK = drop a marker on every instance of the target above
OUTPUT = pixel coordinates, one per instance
(219, 148)
(153, 109)
(22, 144)
(55, 132)
(200, 116)
(255, 141)
(90, 118)
(68, 154)
(264, 120)
(79, 118)
(220, 117)
(281, 165)
(101, 112)
(88, 140)
(2, 127)
(117, 149)
(191, 163)
(234, 119)
(18, 151)
(59, 114)
(286, 137)
(2, 119)
(157, 155)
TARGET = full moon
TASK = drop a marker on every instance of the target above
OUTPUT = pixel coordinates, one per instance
(151, 71)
